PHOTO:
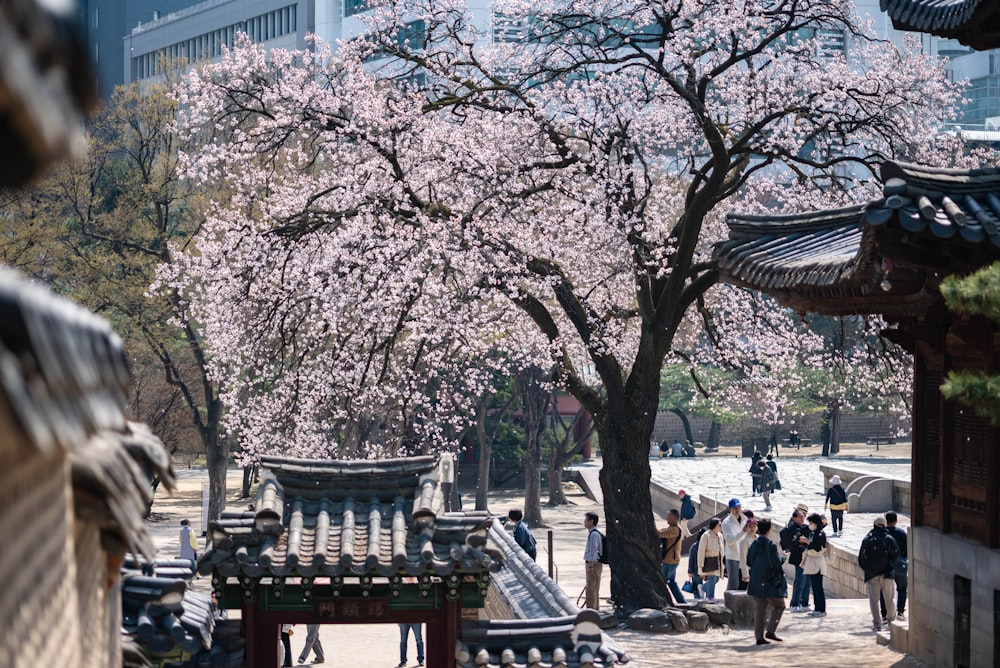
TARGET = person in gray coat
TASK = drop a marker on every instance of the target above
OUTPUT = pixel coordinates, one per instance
(767, 585)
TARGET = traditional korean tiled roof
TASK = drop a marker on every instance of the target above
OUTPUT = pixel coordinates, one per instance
(169, 620)
(335, 518)
(62, 368)
(975, 23)
(549, 629)
(886, 256)
(112, 485)
(573, 641)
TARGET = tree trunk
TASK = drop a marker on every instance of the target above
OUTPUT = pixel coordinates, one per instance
(217, 458)
(485, 452)
(687, 424)
(714, 436)
(556, 495)
(532, 483)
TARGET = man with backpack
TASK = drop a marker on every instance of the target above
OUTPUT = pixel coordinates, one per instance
(877, 556)
(522, 535)
(671, 538)
(593, 558)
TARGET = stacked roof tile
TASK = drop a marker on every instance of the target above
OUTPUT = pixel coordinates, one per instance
(881, 257)
(975, 23)
(335, 518)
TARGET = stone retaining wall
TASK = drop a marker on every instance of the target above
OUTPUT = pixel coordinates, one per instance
(900, 488)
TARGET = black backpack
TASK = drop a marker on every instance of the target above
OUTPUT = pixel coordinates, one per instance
(878, 553)
(603, 554)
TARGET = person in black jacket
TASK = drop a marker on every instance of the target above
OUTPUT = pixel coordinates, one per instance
(877, 556)
(900, 568)
(767, 585)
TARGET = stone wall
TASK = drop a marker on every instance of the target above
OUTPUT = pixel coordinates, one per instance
(936, 560)
(853, 427)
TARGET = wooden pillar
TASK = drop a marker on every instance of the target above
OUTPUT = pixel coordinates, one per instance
(262, 637)
(442, 635)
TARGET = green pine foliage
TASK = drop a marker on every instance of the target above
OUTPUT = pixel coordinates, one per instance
(976, 294)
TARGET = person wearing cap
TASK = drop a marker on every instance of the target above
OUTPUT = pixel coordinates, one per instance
(687, 511)
(733, 531)
(189, 542)
(878, 553)
(673, 538)
(836, 501)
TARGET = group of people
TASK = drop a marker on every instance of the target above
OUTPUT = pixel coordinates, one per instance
(751, 554)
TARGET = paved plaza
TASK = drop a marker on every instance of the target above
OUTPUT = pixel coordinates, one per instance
(842, 638)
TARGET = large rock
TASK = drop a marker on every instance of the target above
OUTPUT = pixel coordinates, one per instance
(650, 619)
(609, 620)
(742, 607)
(717, 613)
(678, 620)
(697, 621)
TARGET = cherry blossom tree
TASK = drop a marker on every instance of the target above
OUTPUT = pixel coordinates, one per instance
(421, 197)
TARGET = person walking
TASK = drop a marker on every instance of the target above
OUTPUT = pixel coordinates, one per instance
(900, 569)
(767, 480)
(733, 529)
(754, 471)
(404, 636)
(672, 535)
(592, 561)
(687, 511)
(767, 585)
(836, 501)
(814, 562)
(711, 556)
(313, 645)
(876, 557)
(522, 535)
(188, 541)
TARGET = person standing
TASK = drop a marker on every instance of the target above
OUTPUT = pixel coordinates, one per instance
(313, 644)
(522, 535)
(592, 561)
(900, 569)
(877, 555)
(733, 531)
(814, 562)
(767, 585)
(694, 577)
(286, 645)
(672, 536)
(836, 501)
(687, 511)
(404, 636)
(189, 542)
(791, 542)
(754, 471)
(711, 553)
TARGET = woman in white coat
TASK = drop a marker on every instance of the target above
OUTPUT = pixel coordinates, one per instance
(711, 557)
(814, 562)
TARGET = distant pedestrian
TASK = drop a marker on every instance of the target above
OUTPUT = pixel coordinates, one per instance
(836, 501)
(677, 450)
(672, 536)
(687, 511)
(313, 645)
(711, 556)
(755, 472)
(404, 636)
(773, 465)
(814, 562)
(189, 542)
(767, 585)
(733, 529)
(522, 535)
(592, 561)
(767, 481)
(900, 569)
(878, 553)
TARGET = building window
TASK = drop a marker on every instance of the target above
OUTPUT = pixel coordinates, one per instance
(97, 18)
